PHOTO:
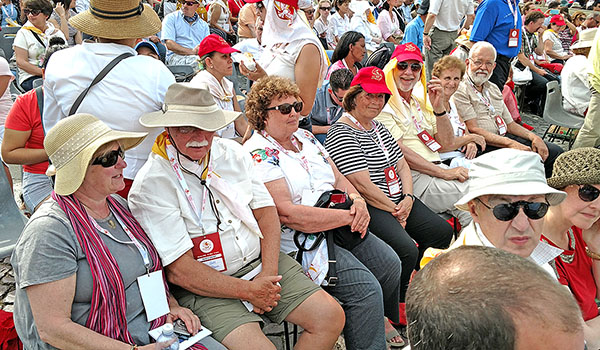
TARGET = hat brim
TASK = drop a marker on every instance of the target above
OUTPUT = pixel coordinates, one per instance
(553, 196)
(212, 121)
(373, 88)
(561, 23)
(402, 57)
(70, 176)
(581, 45)
(144, 25)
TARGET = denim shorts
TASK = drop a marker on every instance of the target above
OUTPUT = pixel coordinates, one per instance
(36, 188)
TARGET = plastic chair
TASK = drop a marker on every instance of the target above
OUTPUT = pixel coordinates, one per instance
(7, 37)
(12, 220)
(38, 82)
(557, 117)
(182, 73)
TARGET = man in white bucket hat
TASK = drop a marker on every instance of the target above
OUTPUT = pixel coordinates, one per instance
(508, 197)
(575, 87)
(215, 227)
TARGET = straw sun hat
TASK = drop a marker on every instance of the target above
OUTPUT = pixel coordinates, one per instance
(72, 142)
(117, 19)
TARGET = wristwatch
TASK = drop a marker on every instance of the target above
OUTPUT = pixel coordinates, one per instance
(412, 196)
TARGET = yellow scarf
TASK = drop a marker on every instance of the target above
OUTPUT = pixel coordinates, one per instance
(395, 101)
(160, 147)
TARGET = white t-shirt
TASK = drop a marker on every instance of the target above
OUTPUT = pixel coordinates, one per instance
(281, 59)
(450, 13)
(135, 86)
(338, 25)
(575, 85)
(273, 164)
(556, 43)
(25, 39)
(458, 128)
(6, 101)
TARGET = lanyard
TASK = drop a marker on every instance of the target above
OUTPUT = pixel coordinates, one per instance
(528, 41)
(186, 189)
(12, 10)
(514, 11)
(381, 144)
(487, 101)
(338, 111)
(303, 160)
(142, 249)
(419, 111)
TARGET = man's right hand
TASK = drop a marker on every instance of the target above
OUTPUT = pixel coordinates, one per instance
(541, 72)
(427, 42)
(264, 293)
(459, 173)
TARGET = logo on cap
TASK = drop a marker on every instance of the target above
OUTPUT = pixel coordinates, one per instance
(376, 75)
(410, 47)
(223, 41)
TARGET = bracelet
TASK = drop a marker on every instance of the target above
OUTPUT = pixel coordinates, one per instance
(591, 254)
(439, 114)
(357, 198)
(410, 195)
(134, 347)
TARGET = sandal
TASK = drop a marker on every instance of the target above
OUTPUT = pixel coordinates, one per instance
(391, 335)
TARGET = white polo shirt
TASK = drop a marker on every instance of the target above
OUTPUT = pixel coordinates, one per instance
(450, 13)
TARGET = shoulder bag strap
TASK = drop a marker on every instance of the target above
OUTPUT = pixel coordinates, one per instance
(97, 79)
(37, 37)
(39, 95)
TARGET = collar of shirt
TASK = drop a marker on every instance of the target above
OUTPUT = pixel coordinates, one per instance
(108, 49)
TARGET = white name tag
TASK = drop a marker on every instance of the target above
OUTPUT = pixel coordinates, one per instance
(154, 295)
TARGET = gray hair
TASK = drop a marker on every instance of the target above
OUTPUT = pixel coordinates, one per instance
(480, 45)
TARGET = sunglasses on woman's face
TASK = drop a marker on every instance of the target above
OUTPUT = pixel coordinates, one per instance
(588, 193)
(415, 67)
(508, 211)
(325, 8)
(286, 108)
(28, 12)
(190, 3)
(109, 159)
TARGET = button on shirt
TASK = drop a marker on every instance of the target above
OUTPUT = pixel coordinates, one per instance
(188, 35)
(324, 111)
(158, 202)
(493, 22)
(470, 106)
(135, 86)
(450, 13)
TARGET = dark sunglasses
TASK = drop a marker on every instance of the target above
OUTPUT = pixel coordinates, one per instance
(286, 108)
(339, 99)
(109, 159)
(32, 12)
(415, 67)
(190, 3)
(508, 211)
(325, 8)
(588, 193)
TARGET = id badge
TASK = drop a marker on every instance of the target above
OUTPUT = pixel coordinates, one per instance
(154, 296)
(392, 180)
(429, 141)
(501, 125)
(207, 249)
(513, 38)
(531, 59)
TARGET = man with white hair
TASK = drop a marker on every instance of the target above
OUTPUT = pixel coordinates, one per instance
(480, 105)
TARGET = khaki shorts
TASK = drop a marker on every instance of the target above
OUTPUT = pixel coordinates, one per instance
(222, 316)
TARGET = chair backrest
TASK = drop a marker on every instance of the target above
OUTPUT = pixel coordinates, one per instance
(38, 82)
(7, 37)
(182, 72)
(12, 220)
(554, 112)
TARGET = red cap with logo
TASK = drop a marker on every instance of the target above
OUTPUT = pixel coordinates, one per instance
(212, 43)
(558, 20)
(407, 52)
(372, 80)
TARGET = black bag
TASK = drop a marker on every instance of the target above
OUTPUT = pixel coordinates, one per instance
(380, 57)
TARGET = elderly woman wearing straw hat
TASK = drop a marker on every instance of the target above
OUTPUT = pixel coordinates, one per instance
(574, 227)
(87, 275)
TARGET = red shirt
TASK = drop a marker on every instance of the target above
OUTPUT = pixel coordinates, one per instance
(577, 275)
(235, 6)
(25, 116)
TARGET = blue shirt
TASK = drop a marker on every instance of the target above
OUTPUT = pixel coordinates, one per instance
(8, 11)
(493, 22)
(413, 32)
(186, 34)
(405, 12)
(324, 111)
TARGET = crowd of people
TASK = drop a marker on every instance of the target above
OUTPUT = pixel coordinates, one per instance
(328, 164)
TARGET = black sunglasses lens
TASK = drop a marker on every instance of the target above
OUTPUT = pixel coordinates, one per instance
(285, 108)
(588, 193)
(110, 158)
(402, 65)
(505, 212)
(535, 210)
(298, 106)
(415, 67)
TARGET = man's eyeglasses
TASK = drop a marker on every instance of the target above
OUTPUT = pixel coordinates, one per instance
(325, 8)
(109, 159)
(415, 67)
(309, 12)
(28, 12)
(508, 211)
(339, 99)
(190, 3)
(488, 65)
(588, 193)
(286, 108)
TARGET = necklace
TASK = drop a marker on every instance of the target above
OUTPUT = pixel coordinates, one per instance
(568, 258)
(112, 224)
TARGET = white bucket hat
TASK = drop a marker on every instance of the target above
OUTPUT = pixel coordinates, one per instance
(72, 142)
(508, 172)
(586, 39)
(188, 105)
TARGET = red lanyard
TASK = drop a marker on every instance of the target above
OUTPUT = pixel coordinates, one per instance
(419, 111)
(487, 101)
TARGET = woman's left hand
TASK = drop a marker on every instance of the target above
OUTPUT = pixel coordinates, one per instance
(403, 209)
(192, 322)
(436, 94)
(360, 223)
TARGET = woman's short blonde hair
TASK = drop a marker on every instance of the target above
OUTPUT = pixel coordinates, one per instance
(448, 62)
(263, 93)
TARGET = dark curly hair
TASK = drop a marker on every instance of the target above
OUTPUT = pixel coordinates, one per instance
(263, 93)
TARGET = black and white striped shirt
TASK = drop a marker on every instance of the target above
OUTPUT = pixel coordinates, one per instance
(354, 150)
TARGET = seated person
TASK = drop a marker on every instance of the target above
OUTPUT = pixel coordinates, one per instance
(481, 106)
(575, 86)
(573, 226)
(148, 48)
(182, 32)
(485, 298)
(421, 133)
(246, 21)
(251, 45)
(502, 183)
(214, 222)
(328, 107)
(81, 255)
(552, 44)
(366, 294)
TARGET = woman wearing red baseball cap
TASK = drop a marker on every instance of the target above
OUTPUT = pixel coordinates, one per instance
(367, 154)
(215, 65)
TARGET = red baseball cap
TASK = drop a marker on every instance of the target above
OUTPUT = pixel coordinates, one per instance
(406, 52)
(558, 20)
(212, 43)
(372, 80)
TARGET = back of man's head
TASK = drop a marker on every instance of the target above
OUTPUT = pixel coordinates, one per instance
(475, 297)
(340, 79)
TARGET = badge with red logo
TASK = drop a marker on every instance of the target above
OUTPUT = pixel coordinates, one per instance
(501, 125)
(429, 141)
(207, 249)
(513, 38)
(393, 182)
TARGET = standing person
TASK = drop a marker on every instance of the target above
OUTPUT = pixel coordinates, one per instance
(589, 134)
(499, 23)
(388, 22)
(10, 15)
(136, 85)
(182, 32)
(339, 23)
(442, 27)
(414, 29)
(321, 25)
(63, 10)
